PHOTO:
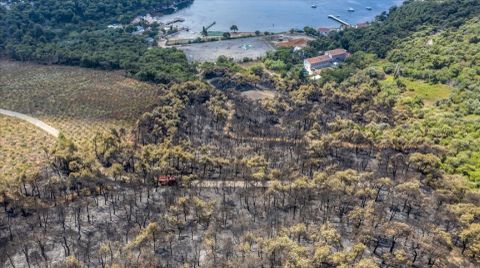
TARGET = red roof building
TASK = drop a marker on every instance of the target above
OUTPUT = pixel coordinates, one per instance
(318, 59)
(301, 42)
(330, 58)
(315, 63)
(338, 53)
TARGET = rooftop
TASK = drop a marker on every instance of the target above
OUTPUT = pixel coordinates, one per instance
(328, 56)
(293, 43)
(319, 59)
(324, 30)
(337, 52)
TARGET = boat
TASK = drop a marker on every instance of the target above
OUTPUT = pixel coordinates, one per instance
(369, 8)
(314, 6)
(351, 10)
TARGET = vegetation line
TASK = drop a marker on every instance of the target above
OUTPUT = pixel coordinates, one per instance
(43, 126)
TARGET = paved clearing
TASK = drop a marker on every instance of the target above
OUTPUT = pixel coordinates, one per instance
(50, 130)
(238, 49)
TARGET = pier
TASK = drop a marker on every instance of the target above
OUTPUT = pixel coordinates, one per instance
(344, 23)
(175, 21)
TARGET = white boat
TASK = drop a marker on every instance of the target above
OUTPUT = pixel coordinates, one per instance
(351, 10)
(369, 8)
(314, 6)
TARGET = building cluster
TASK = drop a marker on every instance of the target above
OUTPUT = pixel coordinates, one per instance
(329, 59)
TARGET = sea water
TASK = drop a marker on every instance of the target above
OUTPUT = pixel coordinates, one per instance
(277, 15)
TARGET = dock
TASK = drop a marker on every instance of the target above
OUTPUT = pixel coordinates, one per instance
(175, 20)
(344, 23)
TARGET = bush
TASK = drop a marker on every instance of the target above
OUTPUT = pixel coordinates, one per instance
(389, 68)
(474, 40)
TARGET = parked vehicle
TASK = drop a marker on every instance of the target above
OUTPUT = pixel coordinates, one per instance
(167, 180)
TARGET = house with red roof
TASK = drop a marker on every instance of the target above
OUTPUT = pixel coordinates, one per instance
(328, 59)
(338, 54)
(316, 63)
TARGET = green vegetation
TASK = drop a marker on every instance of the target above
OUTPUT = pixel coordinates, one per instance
(449, 56)
(389, 29)
(427, 92)
(421, 105)
(287, 63)
(76, 33)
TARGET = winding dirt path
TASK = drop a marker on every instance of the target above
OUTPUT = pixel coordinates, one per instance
(43, 126)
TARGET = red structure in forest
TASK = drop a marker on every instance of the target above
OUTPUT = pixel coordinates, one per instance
(167, 180)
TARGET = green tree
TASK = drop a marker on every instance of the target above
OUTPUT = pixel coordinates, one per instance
(226, 35)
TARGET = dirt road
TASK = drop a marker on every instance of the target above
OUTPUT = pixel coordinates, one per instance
(43, 126)
(228, 184)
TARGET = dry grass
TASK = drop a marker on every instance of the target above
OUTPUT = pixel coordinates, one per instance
(80, 130)
(77, 101)
(22, 147)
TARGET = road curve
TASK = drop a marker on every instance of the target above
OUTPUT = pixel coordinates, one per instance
(49, 129)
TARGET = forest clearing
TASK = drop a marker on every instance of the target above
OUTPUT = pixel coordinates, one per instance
(427, 92)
